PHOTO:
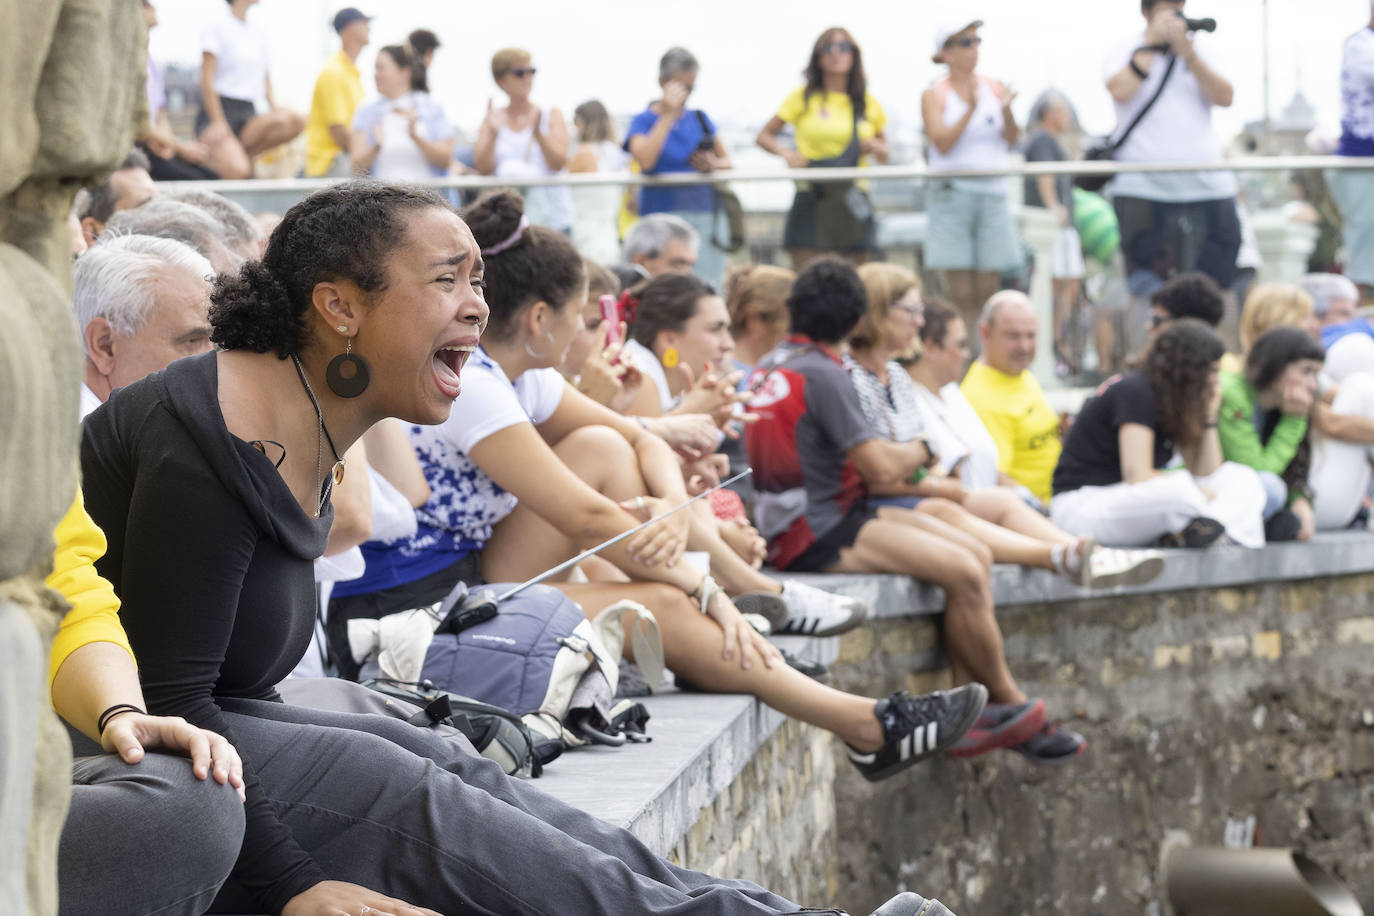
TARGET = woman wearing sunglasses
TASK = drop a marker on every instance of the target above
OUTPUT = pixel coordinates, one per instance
(838, 124)
(522, 140)
(969, 124)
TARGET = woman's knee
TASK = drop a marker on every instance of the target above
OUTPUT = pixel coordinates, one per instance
(598, 444)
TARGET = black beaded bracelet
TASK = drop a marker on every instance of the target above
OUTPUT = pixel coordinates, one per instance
(115, 710)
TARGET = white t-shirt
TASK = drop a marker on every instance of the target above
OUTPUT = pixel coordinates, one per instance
(1177, 129)
(956, 432)
(89, 401)
(464, 501)
(240, 50)
(652, 369)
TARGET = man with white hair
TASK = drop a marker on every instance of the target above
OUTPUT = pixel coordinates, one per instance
(661, 243)
(1334, 297)
(1008, 399)
(180, 221)
(141, 302)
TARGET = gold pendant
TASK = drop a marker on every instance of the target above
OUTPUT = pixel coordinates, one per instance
(338, 472)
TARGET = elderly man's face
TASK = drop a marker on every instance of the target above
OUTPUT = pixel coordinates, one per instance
(1009, 342)
(1339, 311)
(177, 326)
(677, 257)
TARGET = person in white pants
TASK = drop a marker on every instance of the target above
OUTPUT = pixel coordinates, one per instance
(1110, 483)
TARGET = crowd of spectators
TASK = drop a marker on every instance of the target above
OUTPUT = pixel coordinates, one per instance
(507, 387)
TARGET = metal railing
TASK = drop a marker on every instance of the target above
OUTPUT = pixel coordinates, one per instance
(913, 172)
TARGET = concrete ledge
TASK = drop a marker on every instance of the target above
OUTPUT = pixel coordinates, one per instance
(702, 743)
(1336, 553)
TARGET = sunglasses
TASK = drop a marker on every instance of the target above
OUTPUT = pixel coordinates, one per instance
(1157, 319)
(838, 47)
(521, 72)
(967, 42)
(915, 311)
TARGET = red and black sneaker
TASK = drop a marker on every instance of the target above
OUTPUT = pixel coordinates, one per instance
(1052, 745)
(1002, 725)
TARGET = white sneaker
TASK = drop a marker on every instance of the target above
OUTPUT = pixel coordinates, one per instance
(1108, 566)
(812, 612)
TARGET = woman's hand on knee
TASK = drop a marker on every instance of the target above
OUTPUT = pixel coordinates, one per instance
(662, 542)
(741, 641)
(338, 898)
(130, 734)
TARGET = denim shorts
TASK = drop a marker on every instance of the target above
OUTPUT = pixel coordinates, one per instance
(968, 230)
(1353, 192)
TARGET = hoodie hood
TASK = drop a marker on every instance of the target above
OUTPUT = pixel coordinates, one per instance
(189, 390)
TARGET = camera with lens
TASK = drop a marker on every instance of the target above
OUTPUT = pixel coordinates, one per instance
(1198, 25)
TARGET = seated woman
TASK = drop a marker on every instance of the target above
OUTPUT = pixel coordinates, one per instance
(1111, 483)
(403, 135)
(526, 471)
(185, 814)
(1263, 424)
(952, 424)
(210, 552)
(756, 298)
(1342, 416)
(995, 516)
(817, 461)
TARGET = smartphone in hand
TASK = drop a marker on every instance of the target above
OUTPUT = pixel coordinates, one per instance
(610, 319)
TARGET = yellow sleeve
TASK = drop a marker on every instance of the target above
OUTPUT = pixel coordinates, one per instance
(792, 107)
(874, 114)
(94, 616)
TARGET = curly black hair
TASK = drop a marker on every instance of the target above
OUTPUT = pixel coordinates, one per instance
(828, 300)
(1192, 295)
(1277, 349)
(1179, 367)
(345, 232)
(666, 303)
(541, 265)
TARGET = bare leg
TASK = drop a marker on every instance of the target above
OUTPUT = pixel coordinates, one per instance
(985, 283)
(1007, 546)
(1001, 506)
(1062, 306)
(692, 644)
(1104, 339)
(228, 159)
(971, 631)
(964, 297)
(271, 129)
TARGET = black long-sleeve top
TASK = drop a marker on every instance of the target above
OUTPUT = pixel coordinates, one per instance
(211, 557)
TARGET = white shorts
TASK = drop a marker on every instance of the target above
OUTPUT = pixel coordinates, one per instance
(1066, 255)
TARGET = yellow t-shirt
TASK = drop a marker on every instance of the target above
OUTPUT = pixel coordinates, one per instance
(825, 122)
(1021, 421)
(338, 93)
(94, 616)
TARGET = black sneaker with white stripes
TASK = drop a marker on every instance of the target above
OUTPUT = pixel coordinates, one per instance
(919, 727)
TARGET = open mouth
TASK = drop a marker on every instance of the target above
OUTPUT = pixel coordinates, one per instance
(448, 366)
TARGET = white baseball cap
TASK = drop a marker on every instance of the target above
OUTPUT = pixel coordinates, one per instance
(949, 29)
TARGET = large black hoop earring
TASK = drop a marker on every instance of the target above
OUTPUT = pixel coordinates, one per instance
(347, 375)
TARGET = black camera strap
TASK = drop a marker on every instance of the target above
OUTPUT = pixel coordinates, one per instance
(1140, 115)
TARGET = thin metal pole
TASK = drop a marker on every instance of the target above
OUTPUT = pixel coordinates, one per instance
(592, 551)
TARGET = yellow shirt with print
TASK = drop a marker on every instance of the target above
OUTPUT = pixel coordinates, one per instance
(824, 123)
(1021, 421)
(338, 93)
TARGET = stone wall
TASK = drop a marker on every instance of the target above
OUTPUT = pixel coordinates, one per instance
(776, 823)
(1200, 707)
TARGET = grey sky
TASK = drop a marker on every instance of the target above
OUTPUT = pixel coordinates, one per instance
(752, 52)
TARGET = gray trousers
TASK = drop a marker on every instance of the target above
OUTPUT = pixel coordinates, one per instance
(145, 840)
(381, 803)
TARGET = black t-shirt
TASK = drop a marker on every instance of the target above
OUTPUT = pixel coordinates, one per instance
(1092, 451)
(1044, 148)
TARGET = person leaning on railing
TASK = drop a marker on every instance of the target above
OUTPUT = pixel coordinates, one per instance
(837, 123)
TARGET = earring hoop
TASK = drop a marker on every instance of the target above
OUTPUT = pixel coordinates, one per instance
(348, 375)
(545, 355)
